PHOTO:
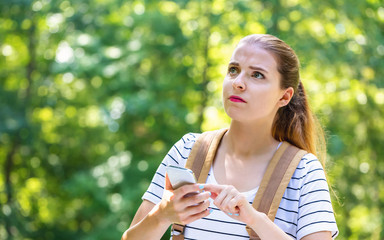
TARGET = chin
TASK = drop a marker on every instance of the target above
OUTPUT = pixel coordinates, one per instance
(236, 115)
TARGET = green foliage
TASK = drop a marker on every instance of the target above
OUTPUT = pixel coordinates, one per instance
(94, 93)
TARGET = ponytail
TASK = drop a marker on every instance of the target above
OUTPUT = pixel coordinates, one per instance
(296, 124)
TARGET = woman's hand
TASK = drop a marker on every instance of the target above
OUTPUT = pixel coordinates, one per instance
(229, 200)
(183, 205)
(232, 202)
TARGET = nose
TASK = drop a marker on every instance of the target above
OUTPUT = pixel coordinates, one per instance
(238, 82)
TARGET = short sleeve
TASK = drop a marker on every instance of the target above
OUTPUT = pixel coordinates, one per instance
(315, 211)
(177, 156)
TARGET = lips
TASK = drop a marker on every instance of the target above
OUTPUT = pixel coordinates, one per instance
(234, 98)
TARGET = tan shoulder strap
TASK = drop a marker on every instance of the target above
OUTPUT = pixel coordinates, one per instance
(203, 153)
(275, 181)
(199, 161)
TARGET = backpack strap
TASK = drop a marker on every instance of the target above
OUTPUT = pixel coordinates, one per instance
(203, 153)
(199, 161)
(275, 181)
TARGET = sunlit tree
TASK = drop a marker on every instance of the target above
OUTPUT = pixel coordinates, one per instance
(94, 93)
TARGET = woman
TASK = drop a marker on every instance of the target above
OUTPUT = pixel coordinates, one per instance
(264, 97)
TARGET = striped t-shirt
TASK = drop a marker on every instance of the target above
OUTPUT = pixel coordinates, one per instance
(305, 208)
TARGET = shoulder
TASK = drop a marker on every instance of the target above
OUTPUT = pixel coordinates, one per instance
(309, 164)
(186, 143)
(188, 140)
(310, 180)
(309, 176)
(180, 151)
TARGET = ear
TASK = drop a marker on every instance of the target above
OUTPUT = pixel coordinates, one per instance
(287, 96)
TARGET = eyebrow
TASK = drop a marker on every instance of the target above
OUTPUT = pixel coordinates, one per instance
(251, 67)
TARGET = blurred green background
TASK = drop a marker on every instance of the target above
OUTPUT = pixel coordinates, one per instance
(94, 93)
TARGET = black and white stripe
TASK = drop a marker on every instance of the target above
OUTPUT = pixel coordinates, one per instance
(305, 208)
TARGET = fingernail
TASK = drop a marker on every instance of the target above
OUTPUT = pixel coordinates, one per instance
(230, 214)
(201, 186)
(236, 214)
(210, 210)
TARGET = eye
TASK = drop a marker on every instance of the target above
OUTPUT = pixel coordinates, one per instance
(233, 70)
(258, 75)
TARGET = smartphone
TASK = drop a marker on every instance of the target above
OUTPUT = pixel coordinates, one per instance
(179, 176)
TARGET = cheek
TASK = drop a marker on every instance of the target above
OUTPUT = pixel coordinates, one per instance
(264, 98)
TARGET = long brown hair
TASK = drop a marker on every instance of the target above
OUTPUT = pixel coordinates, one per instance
(294, 122)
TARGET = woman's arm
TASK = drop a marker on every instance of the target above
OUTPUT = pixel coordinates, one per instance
(145, 207)
(146, 215)
(231, 201)
(318, 236)
(266, 229)
(151, 221)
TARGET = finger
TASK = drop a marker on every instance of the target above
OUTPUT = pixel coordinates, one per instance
(195, 209)
(182, 203)
(213, 188)
(220, 198)
(196, 199)
(238, 203)
(232, 193)
(198, 216)
(186, 189)
(168, 185)
(233, 204)
(225, 203)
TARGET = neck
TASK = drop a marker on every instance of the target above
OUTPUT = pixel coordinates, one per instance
(248, 140)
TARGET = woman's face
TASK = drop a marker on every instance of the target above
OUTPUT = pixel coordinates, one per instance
(251, 88)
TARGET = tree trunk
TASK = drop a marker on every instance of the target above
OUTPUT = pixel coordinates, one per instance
(8, 185)
(17, 140)
(205, 80)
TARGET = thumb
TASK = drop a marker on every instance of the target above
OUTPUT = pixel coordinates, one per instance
(168, 185)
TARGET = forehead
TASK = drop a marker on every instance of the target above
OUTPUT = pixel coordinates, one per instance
(254, 55)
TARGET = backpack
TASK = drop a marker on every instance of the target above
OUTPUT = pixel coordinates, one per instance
(272, 187)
